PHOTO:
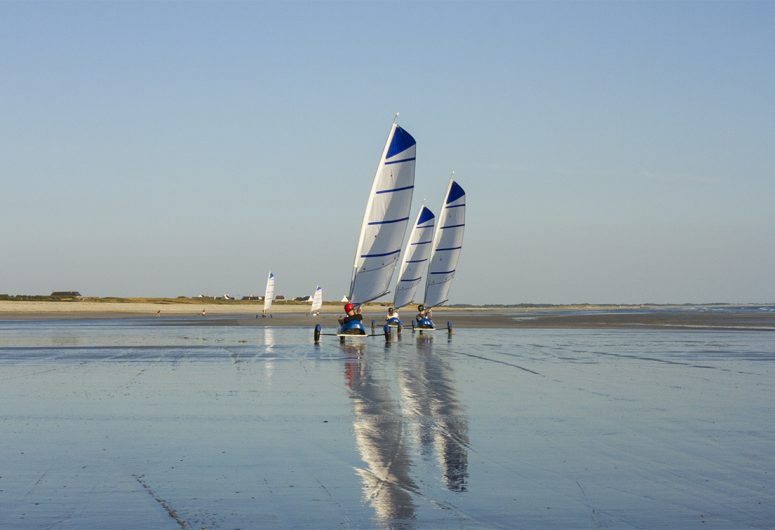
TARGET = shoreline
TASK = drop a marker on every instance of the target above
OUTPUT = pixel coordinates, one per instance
(679, 317)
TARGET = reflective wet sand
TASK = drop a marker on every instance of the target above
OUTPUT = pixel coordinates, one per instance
(165, 423)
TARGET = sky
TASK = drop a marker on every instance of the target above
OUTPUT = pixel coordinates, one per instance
(611, 152)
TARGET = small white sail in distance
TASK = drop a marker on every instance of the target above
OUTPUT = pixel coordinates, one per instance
(415, 261)
(447, 244)
(317, 300)
(269, 293)
(385, 219)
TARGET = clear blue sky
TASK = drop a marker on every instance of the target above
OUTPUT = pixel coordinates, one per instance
(612, 152)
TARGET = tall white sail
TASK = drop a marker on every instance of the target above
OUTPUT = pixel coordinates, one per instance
(385, 219)
(416, 254)
(447, 244)
(269, 293)
(317, 300)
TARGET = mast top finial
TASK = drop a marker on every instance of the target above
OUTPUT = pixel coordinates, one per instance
(396, 118)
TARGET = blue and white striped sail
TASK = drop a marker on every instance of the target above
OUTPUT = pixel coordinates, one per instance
(447, 245)
(416, 255)
(269, 293)
(317, 300)
(385, 220)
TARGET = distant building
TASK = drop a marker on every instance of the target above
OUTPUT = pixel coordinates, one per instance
(65, 294)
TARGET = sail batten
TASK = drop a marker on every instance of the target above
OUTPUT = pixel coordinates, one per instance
(389, 221)
(396, 190)
(379, 255)
(447, 245)
(385, 219)
(415, 256)
(399, 161)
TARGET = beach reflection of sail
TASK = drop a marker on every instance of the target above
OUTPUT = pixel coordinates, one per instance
(353, 350)
(269, 354)
(428, 390)
(379, 436)
(269, 338)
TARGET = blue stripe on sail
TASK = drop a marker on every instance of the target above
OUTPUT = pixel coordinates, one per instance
(388, 222)
(413, 279)
(455, 192)
(449, 226)
(422, 243)
(417, 260)
(399, 161)
(401, 141)
(425, 215)
(456, 206)
(450, 248)
(380, 255)
(396, 189)
(444, 272)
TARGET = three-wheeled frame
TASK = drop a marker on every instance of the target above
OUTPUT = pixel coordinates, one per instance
(351, 331)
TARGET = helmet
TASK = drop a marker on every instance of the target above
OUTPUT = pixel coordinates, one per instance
(420, 307)
(348, 307)
(390, 309)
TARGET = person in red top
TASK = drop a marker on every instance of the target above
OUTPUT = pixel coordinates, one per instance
(352, 314)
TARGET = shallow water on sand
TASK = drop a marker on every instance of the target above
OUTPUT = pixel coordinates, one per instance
(155, 423)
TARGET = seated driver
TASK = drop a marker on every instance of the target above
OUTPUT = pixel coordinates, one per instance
(422, 314)
(351, 314)
(391, 314)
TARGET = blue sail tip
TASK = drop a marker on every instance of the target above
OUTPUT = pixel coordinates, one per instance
(401, 141)
(455, 192)
(425, 215)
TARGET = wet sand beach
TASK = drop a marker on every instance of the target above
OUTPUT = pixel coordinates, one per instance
(227, 421)
(549, 317)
